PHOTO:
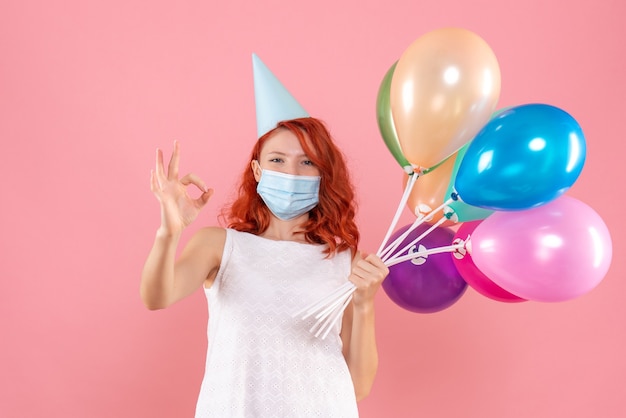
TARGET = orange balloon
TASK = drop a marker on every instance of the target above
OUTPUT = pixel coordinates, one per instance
(430, 189)
(445, 87)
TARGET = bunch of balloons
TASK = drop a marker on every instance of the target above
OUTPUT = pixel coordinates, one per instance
(499, 175)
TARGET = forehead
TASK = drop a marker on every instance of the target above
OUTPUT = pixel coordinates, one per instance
(283, 141)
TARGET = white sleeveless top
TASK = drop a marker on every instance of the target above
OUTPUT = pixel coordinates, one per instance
(260, 361)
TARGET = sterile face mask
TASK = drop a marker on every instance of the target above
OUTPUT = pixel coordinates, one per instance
(286, 195)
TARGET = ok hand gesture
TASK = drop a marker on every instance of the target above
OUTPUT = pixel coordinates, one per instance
(178, 209)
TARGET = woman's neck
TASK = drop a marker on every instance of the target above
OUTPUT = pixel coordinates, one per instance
(292, 230)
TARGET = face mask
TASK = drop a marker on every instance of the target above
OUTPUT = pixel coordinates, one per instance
(288, 196)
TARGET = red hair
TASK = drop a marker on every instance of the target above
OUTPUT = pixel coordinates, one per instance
(331, 222)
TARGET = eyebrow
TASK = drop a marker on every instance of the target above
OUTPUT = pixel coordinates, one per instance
(283, 153)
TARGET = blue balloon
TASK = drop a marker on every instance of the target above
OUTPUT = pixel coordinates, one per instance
(524, 157)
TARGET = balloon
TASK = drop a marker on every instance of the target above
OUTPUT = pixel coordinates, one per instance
(430, 190)
(436, 188)
(525, 157)
(472, 275)
(385, 122)
(463, 211)
(444, 89)
(497, 112)
(551, 253)
(429, 284)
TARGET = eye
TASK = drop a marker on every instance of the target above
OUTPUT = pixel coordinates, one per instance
(276, 160)
(308, 162)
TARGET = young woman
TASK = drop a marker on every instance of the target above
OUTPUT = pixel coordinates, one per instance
(291, 240)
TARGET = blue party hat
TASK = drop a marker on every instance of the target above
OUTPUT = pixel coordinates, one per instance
(273, 102)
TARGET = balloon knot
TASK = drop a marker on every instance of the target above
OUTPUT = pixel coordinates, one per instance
(408, 169)
(454, 196)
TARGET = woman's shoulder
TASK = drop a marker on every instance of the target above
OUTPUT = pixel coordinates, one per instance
(210, 236)
(212, 232)
(216, 236)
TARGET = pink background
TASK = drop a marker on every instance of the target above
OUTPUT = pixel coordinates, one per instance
(89, 89)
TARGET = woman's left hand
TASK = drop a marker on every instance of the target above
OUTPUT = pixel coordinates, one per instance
(368, 273)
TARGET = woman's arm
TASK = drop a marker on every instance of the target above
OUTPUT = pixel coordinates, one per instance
(358, 327)
(164, 280)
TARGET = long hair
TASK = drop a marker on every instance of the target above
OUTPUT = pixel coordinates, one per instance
(331, 222)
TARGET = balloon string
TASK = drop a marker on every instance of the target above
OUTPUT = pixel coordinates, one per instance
(438, 250)
(415, 241)
(332, 323)
(328, 309)
(315, 306)
(324, 313)
(328, 318)
(405, 197)
(329, 312)
(420, 219)
(387, 252)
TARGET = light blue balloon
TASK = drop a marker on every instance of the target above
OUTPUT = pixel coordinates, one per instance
(524, 157)
(463, 211)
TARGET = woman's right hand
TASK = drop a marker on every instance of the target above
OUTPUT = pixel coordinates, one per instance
(178, 209)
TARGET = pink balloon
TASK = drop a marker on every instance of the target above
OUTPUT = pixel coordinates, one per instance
(472, 275)
(551, 253)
